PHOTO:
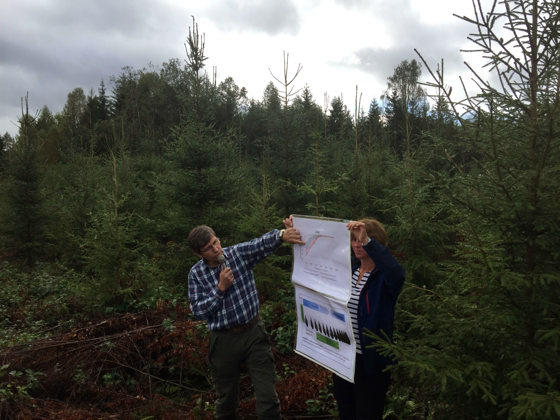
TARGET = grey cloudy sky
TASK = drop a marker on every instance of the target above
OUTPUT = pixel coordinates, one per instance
(50, 47)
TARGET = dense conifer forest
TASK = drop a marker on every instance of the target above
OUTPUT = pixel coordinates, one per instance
(98, 198)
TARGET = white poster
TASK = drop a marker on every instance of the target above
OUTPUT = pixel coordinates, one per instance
(322, 281)
(323, 263)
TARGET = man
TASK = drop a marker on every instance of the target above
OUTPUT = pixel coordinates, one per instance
(222, 291)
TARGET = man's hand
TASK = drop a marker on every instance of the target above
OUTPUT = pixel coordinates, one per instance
(226, 279)
(288, 222)
(292, 236)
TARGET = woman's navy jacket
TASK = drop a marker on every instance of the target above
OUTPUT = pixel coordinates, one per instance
(376, 308)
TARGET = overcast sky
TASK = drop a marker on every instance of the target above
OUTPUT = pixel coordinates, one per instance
(50, 47)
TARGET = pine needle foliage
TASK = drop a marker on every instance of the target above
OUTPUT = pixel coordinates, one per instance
(484, 337)
(23, 208)
(112, 251)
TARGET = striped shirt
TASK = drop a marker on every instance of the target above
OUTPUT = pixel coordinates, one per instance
(353, 305)
(240, 303)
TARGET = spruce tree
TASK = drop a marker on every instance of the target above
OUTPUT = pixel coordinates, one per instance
(202, 184)
(23, 215)
(484, 338)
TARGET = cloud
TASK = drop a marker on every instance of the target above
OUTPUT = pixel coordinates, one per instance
(50, 47)
(431, 30)
(59, 45)
(269, 17)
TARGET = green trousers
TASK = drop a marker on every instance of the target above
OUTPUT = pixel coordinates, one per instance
(227, 352)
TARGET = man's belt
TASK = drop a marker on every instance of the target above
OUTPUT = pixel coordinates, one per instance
(241, 328)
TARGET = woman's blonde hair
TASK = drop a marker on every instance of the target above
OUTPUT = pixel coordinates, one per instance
(375, 229)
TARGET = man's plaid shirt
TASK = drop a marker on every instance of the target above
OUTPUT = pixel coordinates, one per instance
(240, 303)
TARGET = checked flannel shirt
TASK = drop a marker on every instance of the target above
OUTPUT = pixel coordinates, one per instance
(240, 303)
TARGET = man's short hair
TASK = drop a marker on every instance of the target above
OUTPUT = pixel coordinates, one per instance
(199, 236)
(375, 229)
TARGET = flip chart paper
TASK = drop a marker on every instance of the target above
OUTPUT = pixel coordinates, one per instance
(322, 280)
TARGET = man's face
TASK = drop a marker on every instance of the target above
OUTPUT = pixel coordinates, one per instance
(211, 251)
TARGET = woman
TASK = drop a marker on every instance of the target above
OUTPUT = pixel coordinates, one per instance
(377, 280)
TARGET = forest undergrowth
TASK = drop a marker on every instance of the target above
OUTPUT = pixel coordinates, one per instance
(150, 364)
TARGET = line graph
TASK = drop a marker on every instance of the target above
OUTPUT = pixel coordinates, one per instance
(310, 243)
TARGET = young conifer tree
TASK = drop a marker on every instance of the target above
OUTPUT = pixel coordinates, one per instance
(483, 342)
(23, 214)
(202, 185)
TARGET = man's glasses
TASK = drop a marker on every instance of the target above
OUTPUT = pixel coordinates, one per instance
(214, 243)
